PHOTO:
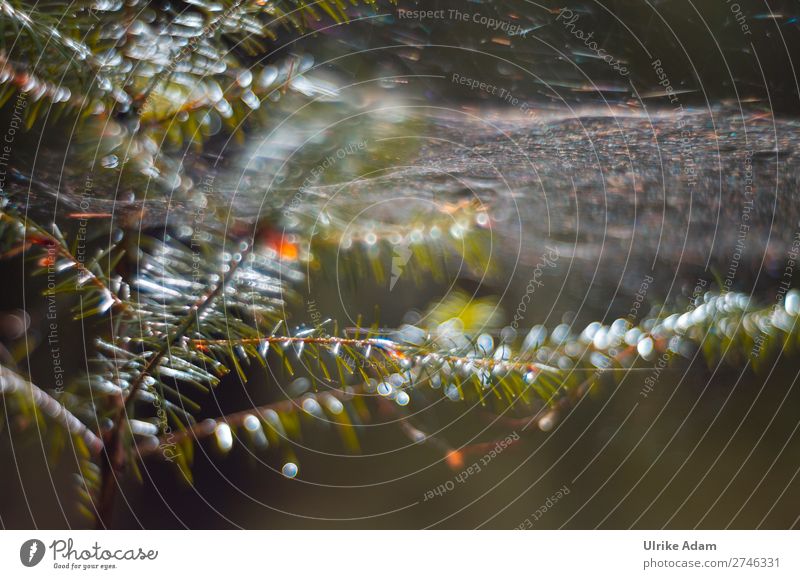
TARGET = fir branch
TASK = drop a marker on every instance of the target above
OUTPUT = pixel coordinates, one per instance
(206, 428)
(554, 367)
(114, 457)
(87, 57)
(33, 234)
(195, 312)
(396, 351)
(336, 401)
(12, 384)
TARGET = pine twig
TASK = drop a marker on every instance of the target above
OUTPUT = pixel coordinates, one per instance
(113, 460)
(13, 383)
(44, 237)
(395, 350)
(206, 428)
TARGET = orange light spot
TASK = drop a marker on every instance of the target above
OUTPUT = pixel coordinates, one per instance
(501, 41)
(90, 215)
(452, 208)
(286, 249)
(455, 459)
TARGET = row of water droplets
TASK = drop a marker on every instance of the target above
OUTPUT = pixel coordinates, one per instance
(487, 359)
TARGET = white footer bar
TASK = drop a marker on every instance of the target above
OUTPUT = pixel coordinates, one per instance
(389, 554)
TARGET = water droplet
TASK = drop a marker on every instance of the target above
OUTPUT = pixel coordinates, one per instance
(224, 108)
(547, 422)
(503, 353)
(267, 76)
(110, 161)
(792, 303)
(632, 336)
(601, 339)
(250, 99)
(251, 423)
(619, 327)
(500, 370)
(484, 344)
(384, 389)
(311, 406)
(645, 347)
(402, 398)
(334, 406)
(560, 333)
(289, 470)
(508, 335)
(452, 393)
(684, 322)
(670, 321)
(396, 380)
(535, 338)
(224, 437)
(299, 386)
(599, 360)
(244, 78)
(142, 428)
(589, 332)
